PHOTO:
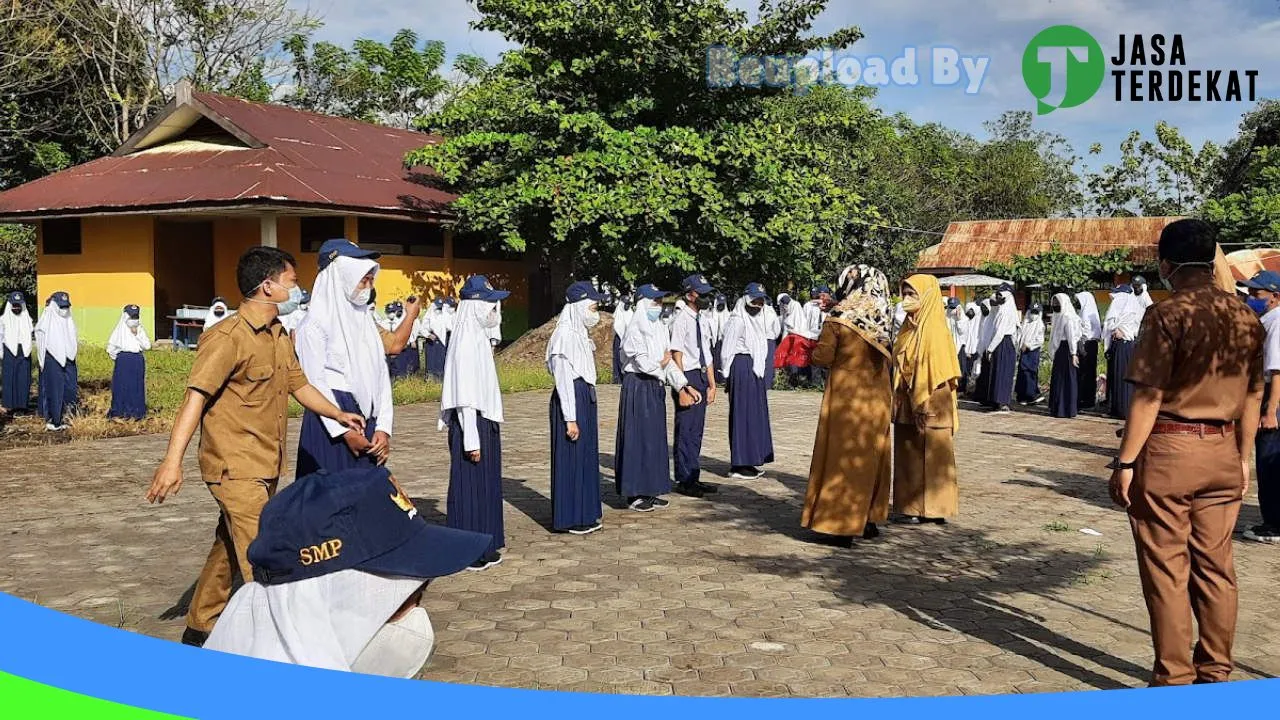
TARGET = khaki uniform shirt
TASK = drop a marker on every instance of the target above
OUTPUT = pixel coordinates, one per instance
(1202, 348)
(248, 373)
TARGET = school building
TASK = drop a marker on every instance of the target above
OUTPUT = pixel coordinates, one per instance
(162, 220)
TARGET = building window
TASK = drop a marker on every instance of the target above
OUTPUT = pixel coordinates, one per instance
(61, 236)
(402, 237)
(477, 247)
(316, 230)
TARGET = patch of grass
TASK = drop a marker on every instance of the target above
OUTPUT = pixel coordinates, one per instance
(1056, 526)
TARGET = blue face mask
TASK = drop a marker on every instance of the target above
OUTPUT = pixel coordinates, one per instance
(1258, 305)
(290, 305)
(654, 314)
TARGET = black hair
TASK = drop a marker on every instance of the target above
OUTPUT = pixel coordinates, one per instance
(259, 264)
(1188, 241)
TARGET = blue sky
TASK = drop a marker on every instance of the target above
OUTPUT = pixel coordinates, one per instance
(1217, 34)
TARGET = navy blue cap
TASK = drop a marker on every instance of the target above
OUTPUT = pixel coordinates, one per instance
(393, 306)
(306, 297)
(697, 283)
(477, 287)
(15, 298)
(582, 290)
(953, 303)
(1265, 280)
(1138, 280)
(785, 299)
(650, 292)
(1036, 308)
(341, 247)
(755, 291)
(132, 311)
(819, 290)
(450, 302)
(217, 300)
(354, 519)
(438, 302)
(1122, 290)
(1005, 287)
(61, 299)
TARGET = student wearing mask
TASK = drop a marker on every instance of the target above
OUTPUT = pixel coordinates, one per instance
(926, 414)
(575, 426)
(471, 410)
(773, 329)
(958, 324)
(342, 352)
(791, 350)
(970, 361)
(691, 336)
(982, 366)
(436, 331)
(400, 364)
(718, 315)
(238, 397)
(339, 571)
(56, 347)
(746, 355)
(1090, 340)
(129, 378)
(495, 332)
(1140, 292)
(1264, 299)
(815, 314)
(1030, 341)
(1064, 343)
(1000, 352)
(17, 335)
(642, 455)
(1120, 332)
(621, 318)
(218, 312)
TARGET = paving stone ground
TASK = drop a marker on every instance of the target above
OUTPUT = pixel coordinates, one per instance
(726, 596)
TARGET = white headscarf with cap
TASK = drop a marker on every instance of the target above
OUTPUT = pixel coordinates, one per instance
(792, 316)
(337, 621)
(16, 330)
(1090, 320)
(973, 328)
(745, 335)
(645, 336)
(56, 335)
(1066, 325)
(1006, 321)
(123, 339)
(470, 377)
(571, 340)
(210, 319)
(339, 337)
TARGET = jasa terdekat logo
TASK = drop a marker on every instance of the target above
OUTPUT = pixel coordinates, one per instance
(1064, 66)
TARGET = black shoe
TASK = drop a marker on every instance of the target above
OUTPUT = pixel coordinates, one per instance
(194, 638)
(907, 520)
(870, 532)
(707, 487)
(745, 473)
(659, 502)
(641, 504)
(585, 529)
(689, 489)
(840, 541)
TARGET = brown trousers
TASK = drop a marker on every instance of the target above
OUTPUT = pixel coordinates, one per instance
(241, 503)
(1184, 502)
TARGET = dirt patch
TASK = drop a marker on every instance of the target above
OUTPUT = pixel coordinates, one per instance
(531, 348)
(24, 431)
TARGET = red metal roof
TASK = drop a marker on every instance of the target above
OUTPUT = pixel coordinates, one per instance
(307, 160)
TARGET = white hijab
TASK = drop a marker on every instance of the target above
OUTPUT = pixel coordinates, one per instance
(793, 316)
(959, 325)
(986, 329)
(470, 377)
(353, 347)
(1090, 320)
(973, 328)
(1124, 316)
(16, 330)
(210, 319)
(621, 319)
(645, 336)
(438, 322)
(123, 340)
(571, 340)
(745, 335)
(56, 335)
(1031, 334)
(1066, 325)
(1006, 322)
(323, 622)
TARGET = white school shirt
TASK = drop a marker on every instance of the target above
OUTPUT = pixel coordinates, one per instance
(684, 338)
(812, 316)
(1271, 349)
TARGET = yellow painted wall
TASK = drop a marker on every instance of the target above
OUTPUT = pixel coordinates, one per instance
(231, 237)
(114, 269)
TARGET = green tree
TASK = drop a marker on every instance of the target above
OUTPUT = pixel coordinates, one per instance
(1060, 270)
(1155, 177)
(18, 259)
(599, 146)
(1246, 203)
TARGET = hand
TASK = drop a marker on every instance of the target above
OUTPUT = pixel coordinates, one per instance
(380, 448)
(571, 431)
(356, 442)
(986, 357)
(666, 358)
(1244, 486)
(711, 392)
(167, 481)
(353, 421)
(412, 305)
(690, 396)
(1121, 480)
(1075, 361)
(922, 420)
(474, 456)
(1269, 419)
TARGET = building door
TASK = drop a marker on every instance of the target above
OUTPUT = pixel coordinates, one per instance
(183, 268)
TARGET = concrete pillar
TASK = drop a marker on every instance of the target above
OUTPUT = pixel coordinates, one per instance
(267, 233)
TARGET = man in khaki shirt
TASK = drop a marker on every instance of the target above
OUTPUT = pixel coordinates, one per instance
(1183, 466)
(238, 395)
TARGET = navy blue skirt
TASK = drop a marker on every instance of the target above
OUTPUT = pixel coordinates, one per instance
(1004, 364)
(317, 450)
(769, 370)
(436, 353)
(15, 381)
(966, 369)
(982, 386)
(575, 465)
(59, 390)
(1119, 390)
(475, 489)
(398, 365)
(641, 465)
(129, 387)
(1063, 391)
(721, 377)
(1027, 388)
(1087, 384)
(617, 360)
(412, 363)
(750, 435)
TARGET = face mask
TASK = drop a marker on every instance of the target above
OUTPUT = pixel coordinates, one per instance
(64, 312)
(985, 311)
(969, 314)
(910, 304)
(362, 297)
(492, 320)
(288, 306)
(754, 310)
(1258, 305)
(702, 303)
(654, 314)
(399, 649)
(591, 319)
(16, 310)
(132, 323)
